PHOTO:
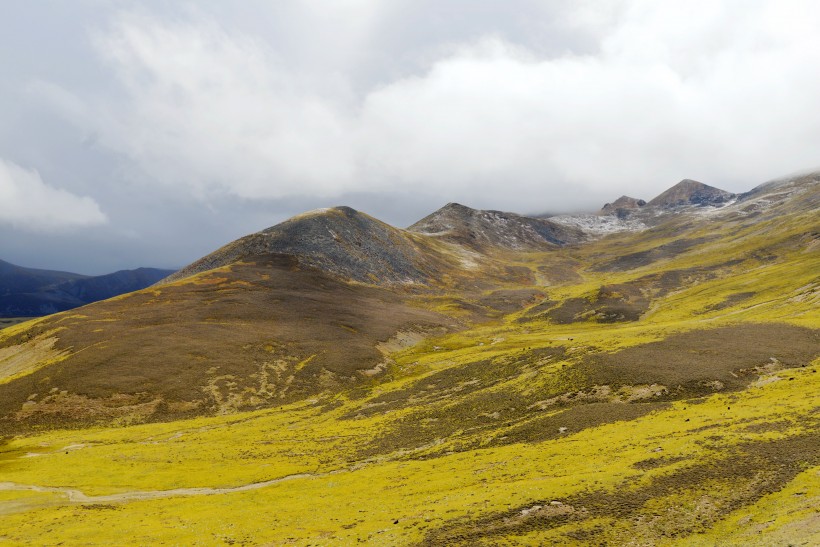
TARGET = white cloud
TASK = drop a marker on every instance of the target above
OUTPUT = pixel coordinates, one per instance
(28, 203)
(720, 91)
(677, 90)
(214, 112)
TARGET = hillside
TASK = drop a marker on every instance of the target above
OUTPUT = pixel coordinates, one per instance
(28, 292)
(481, 378)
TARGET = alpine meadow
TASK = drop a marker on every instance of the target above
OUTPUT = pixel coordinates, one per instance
(643, 375)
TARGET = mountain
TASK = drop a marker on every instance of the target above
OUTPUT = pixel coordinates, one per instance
(691, 192)
(485, 377)
(28, 292)
(352, 245)
(101, 287)
(340, 241)
(621, 205)
(494, 229)
(16, 279)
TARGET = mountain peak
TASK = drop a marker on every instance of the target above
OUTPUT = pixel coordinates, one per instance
(338, 211)
(444, 219)
(483, 230)
(691, 192)
(623, 202)
(453, 206)
(339, 240)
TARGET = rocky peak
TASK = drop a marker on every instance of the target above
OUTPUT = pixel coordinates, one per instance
(446, 219)
(484, 230)
(339, 240)
(622, 204)
(691, 192)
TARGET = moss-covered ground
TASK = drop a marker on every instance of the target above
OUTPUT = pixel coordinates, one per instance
(684, 473)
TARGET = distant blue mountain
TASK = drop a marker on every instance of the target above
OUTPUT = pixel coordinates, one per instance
(29, 292)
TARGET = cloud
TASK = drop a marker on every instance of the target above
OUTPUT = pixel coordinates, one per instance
(28, 203)
(674, 91)
(214, 112)
(723, 92)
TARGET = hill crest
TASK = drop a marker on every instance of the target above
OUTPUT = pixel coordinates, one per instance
(339, 240)
(691, 192)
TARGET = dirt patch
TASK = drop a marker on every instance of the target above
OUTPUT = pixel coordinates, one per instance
(559, 274)
(575, 419)
(700, 362)
(766, 427)
(461, 381)
(569, 311)
(405, 339)
(510, 300)
(624, 301)
(610, 304)
(730, 301)
(538, 311)
(750, 471)
(655, 463)
(70, 407)
(475, 422)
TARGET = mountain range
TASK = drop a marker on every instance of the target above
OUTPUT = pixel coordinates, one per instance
(642, 375)
(29, 292)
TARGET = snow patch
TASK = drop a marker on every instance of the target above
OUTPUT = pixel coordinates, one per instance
(710, 210)
(599, 224)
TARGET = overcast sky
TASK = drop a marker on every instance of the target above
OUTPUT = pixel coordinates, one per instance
(150, 133)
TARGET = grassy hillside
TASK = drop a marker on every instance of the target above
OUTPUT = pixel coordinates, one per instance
(650, 388)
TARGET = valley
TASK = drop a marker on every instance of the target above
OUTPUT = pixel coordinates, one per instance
(646, 375)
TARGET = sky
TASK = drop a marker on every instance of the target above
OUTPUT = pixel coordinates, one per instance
(150, 133)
